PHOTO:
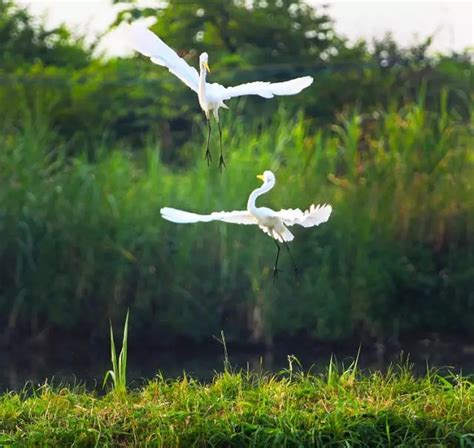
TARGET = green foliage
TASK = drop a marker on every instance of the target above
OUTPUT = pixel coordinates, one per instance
(82, 236)
(128, 99)
(343, 407)
(25, 41)
(281, 39)
(92, 149)
(241, 32)
(118, 374)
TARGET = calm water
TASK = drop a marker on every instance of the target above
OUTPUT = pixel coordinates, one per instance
(70, 366)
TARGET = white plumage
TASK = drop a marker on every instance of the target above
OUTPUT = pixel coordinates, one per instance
(315, 215)
(149, 44)
(273, 223)
(182, 217)
(211, 95)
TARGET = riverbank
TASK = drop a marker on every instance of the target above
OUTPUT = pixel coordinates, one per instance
(340, 407)
(68, 362)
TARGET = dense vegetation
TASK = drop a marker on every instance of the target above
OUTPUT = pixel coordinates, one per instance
(87, 98)
(83, 235)
(340, 408)
(90, 152)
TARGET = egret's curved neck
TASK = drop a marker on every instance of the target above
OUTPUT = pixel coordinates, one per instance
(202, 82)
(251, 207)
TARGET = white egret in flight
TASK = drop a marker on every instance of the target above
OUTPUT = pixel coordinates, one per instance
(211, 96)
(273, 223)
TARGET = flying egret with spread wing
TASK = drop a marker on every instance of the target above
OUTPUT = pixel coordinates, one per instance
(211, 96)
(273, 223)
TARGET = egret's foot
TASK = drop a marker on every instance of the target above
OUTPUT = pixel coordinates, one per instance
(222, 164)
(275, 274)
(208, 157)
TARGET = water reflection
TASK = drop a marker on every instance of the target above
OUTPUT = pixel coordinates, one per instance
(72, 366)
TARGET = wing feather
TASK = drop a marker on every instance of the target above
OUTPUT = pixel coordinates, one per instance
(315, 215)
(149, 44)
(266, 89)
(182, 217)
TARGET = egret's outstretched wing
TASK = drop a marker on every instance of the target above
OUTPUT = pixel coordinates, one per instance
(149, 44)
(264, 89)
(182, 217)
(315, 215)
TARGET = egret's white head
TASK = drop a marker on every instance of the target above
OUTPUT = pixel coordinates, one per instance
(203, 62)
(268, 177)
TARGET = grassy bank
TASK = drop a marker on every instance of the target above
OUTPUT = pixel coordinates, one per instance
(339, 408)
(83, 240)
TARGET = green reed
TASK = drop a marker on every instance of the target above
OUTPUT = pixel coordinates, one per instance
(118, 374)
(82, 234)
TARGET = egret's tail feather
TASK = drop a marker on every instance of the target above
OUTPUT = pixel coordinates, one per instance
(282, 234)
(286, 234)
(182, 217)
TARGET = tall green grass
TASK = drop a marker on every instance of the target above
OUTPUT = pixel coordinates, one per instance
(343, 407)
(82, 235)
(118, 373)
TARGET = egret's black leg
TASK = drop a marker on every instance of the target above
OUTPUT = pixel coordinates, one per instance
(275, 267)
(292, 262)
(221, 158)
(207, 156)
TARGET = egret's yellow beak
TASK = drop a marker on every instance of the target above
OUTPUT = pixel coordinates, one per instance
(260, 176)
(206, 67)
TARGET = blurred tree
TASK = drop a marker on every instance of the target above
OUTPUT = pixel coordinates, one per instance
(55, 74)
(238, 32)
(24, 41)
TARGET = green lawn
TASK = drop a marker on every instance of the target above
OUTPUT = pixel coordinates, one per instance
(339, 408)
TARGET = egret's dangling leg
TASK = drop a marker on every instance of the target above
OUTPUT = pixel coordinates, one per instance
(207, 156)
(275, 266)
(221, 157)
(295, 269)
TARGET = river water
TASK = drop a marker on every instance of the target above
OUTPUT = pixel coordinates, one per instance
(87, 366)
